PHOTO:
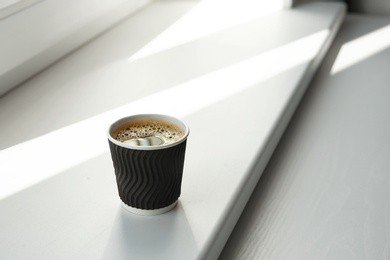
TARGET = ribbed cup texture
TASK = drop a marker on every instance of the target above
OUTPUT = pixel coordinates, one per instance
(148, 179)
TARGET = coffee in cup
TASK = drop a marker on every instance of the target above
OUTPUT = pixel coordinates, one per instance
(148, 132)
(148, 156)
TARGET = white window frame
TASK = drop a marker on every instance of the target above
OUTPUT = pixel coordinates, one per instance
(8, 9)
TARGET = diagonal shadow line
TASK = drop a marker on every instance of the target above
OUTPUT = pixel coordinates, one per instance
(68, 146)
(351, 30)
(70, 156)
(361, 50)
(184, 62)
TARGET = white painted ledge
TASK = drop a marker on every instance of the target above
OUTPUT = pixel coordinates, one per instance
(325, 192)
(56, 177)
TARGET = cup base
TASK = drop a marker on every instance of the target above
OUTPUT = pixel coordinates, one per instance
(149, 212)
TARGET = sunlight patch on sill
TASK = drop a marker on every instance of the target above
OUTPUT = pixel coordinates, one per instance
(202, 21)
(356, 51)
(31, 162)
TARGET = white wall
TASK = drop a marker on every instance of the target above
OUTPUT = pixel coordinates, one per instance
(37, 36)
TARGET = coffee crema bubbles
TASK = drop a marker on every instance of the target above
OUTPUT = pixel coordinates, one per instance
(147, 132)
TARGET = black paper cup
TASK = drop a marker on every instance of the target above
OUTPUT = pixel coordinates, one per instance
(148, 170)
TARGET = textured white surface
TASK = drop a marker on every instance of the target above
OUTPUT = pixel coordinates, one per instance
(325, 193)
(62, 201)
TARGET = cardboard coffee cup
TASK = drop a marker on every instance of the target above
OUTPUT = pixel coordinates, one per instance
(148, 152)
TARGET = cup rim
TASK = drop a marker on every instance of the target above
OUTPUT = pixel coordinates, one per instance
(168, 118)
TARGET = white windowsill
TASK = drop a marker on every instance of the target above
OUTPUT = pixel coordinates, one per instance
(247, 78)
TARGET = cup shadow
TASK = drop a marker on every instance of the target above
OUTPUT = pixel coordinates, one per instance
(166, 236)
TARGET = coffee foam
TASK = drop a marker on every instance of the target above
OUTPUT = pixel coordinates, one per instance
(142, 128)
